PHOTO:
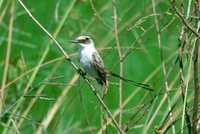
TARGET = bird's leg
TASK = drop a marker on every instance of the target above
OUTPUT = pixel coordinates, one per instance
(80, 71)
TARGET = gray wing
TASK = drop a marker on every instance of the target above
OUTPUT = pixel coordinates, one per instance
(99, 67)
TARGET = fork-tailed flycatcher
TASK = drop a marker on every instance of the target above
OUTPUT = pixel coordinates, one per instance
(93, 64)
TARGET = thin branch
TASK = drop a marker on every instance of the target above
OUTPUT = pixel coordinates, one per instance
(5, 75)
(186, 90)
(4, 11)
(183, 19)
(196, 84)
(98, 15)
(131, 96)
(17, 104)
(25, 68)
(120, 59)
(85, 113)
(136, 42)
(25, 118)
(73, 65)
(33, 101)
(180, 53)
(47, 63)
(196, 79)
(163, 65)
(143, 109)
(7, 60)
(167, 118)
(65, 109)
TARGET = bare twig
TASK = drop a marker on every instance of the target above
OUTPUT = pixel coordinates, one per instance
(131, 96)
(65, 109)
(120, 59)
(73, 65)
(3, 86)
(196, 71)
(183, 19)
(185, 98)
(25, 118)
(33, 101)
(7, 60)
(196, 84)
(98, 15)
(143, 109)
(167, 118)
(163, 65)
(180, 53)
(85, 113)
(25, 68)
(57, 84)
(135, 43)
(44, 64)
(4, 11)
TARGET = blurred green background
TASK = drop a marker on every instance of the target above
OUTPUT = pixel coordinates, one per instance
(38, 74)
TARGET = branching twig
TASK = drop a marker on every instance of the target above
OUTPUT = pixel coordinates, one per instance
(98, 16)
(183, 19)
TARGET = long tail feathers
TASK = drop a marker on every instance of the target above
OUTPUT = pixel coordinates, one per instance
(145, 86)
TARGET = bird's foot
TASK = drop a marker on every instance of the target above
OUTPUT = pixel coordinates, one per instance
(79, 71)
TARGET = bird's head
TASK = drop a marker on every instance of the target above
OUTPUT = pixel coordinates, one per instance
(83, 41)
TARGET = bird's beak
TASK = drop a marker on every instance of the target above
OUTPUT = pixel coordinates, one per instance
(73, 41)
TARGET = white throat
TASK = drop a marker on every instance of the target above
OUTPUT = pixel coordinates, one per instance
(85, 58)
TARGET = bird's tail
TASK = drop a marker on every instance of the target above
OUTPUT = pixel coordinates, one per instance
(145, 86)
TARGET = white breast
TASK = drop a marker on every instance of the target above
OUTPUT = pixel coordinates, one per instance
(86, 59)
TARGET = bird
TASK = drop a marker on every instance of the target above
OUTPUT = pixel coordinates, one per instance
(93, 64)
(90, 59)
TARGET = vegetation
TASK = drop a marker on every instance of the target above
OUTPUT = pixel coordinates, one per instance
(153, 42)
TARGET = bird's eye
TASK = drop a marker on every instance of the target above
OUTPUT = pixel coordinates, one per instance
(86, 38)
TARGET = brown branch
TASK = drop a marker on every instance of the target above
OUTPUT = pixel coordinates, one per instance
(137, 43)
(25, 118)
(85, 113)
(73, 65)
(196, 87)
(47, 120)
(143, 109)
(183, 19)
(163, 66)
(7, 60)
(33, 101)
(120, 59)
(46, 63)
(98, 16)
(65, 109)
(196, 79)
(180, 53)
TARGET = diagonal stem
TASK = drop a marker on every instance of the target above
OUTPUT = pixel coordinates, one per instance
(73, 65)
(120, 59)
(163, 65)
